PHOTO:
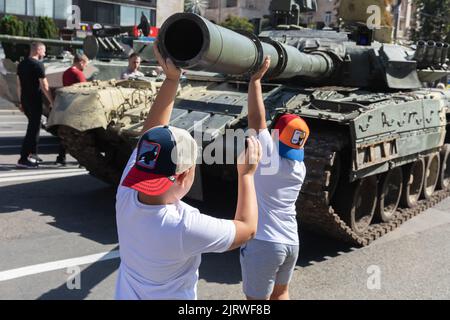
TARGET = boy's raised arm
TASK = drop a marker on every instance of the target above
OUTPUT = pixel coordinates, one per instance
(162, 108)
(256, 108)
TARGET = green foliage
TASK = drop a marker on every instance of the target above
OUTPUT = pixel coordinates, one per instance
(237, 24)
(46, 28)
(31, 28)
(10, 25)
(433, 17)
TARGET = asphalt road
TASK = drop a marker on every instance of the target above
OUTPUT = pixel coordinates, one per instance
(56, 222)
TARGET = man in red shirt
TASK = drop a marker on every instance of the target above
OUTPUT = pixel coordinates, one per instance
(75, 73)
(72, 76)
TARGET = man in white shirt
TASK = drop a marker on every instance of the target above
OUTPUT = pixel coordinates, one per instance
(132, 72)
(162, 238)
(269, 260)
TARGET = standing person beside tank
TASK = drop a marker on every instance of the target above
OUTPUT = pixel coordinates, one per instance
(134, 63)
(72, 76)
(162, 238)
(31, 84)
(268, 261)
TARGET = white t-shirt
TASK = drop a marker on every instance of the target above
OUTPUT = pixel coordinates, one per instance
(161, 246)
(278, 182)
(135, 74)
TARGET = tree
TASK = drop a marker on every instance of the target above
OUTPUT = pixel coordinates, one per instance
(46, 28)
(433, 20)
(30, 28)
(12, 26)
(238, 24)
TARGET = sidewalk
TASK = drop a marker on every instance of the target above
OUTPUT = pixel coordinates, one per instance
(7, 108)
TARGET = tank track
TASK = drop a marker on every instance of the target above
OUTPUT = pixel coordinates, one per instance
(107, 164)
(318, 215)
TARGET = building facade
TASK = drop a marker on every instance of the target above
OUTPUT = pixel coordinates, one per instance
(219, 10)
(326, 15)
(113, 13)
(166, 8)
(116, 13)
(406, 21)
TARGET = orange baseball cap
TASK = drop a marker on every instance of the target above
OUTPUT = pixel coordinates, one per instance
(293, 134)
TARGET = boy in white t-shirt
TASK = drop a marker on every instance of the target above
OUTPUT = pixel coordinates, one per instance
(269, 260)
(161, 238)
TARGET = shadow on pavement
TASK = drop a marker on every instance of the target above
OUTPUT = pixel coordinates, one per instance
(79, 204)
(225, 268)
(89, 278)
(12, 145)
(85, 205)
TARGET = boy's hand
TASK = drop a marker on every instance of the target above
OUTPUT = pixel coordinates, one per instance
(262, 71)
(249, 158)
(171, 71)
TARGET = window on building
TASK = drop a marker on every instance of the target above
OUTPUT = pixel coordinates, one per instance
(251, 4)
(213, 4)
(15, 6)
(153, 17)
(139, 12)
(327, 18)
(231, 3)
(30, 7)
(63, 9)
(127, 16)
(2, 5)
(105, 13)
(43, 8)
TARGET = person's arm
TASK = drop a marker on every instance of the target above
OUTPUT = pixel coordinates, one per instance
(46, 89)
(256, 108)
(246, 217)
(162, 108)
(19, 94)
(81, 77)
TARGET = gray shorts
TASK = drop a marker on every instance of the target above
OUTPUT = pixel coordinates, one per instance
(265, 264)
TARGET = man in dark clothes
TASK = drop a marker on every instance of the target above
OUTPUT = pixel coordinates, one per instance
(31, 84)
(72, 76)
(144, 25)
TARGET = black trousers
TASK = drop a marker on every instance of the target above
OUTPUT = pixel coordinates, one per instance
(33, 111)
(61, 151)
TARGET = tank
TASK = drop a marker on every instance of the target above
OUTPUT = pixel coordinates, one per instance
(378, 153)
(89, 117)
(107, 51)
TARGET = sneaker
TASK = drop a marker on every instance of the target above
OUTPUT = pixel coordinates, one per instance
(36, 158)
(27, 164)
(61, 161)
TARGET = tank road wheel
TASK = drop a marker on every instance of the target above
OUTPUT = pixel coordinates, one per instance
(444, 176)
(103, 159)
(413, 178)
(431, 175)
(357, 203)
(390, 188)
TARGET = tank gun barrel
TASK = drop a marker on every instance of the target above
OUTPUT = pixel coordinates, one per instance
(429, 52)
(195, 43)
(444, 53)
(438, 53)
(52, 42)
(420, 51)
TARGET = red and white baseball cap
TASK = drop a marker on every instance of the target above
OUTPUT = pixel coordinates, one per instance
(163, 153)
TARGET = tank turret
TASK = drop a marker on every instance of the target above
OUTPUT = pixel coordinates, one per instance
(327, 57)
